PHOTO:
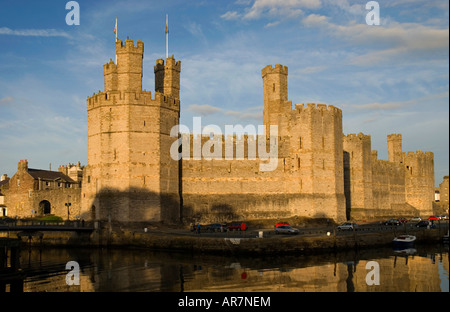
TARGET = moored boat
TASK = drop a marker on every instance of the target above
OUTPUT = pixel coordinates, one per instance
(404, 240)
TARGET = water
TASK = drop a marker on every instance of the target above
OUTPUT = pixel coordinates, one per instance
(422, 269)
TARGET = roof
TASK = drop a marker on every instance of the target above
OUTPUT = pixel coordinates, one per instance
(49, 175)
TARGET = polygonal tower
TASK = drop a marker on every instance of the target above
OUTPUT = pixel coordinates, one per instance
(130, 175)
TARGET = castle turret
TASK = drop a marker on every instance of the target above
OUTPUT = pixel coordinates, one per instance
(395, 148)
(276, 105)
(167, 77)
(129, 65)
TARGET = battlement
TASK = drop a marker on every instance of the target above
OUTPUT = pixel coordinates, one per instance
(420, 153)
(137, 98)
(320, 107)
(245, 146)
(352, 137)
(109, 67)
(394, 136)
(129, 46)
(171, 63)
(278, 69)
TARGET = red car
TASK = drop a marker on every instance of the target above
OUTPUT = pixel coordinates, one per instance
(237, 227)
(433, 218)
(281, 223)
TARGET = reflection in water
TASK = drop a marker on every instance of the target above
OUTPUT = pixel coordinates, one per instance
(122, 270)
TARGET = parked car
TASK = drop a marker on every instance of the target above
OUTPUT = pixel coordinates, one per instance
(415, 219)
(443, 217)
(433, 218)
(237, 227)
(425, 223)
(392, 222)
(286, 229)
(281, 223)
(402, 220)
(347, 226)
(216, 227)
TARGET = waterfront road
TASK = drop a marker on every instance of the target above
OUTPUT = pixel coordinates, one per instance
(406, 228)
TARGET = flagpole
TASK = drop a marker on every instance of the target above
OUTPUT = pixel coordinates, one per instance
(115, 30)
(167, 36)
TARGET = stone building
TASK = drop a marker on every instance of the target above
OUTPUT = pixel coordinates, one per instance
(132, 174)
(3, 210)
(443, 196)
(35, 192)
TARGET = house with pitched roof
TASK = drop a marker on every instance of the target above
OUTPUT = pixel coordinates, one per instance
(37, 192)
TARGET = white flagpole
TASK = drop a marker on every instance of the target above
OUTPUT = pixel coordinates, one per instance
(167, 36)
(116, 37)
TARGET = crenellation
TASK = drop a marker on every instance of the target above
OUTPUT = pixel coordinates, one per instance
(277, 69)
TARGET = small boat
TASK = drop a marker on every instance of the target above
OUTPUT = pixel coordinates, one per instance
(404, 240)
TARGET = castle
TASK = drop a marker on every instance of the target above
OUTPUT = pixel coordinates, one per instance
(320, 172)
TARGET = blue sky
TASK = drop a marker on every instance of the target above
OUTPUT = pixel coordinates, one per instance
(391, 78)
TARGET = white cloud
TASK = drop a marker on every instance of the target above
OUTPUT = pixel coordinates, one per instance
(273, 8)
(398, 41)
(231, 15)
(268, 25)
(34, 32)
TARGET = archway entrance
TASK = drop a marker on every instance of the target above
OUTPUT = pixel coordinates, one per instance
(44, 207)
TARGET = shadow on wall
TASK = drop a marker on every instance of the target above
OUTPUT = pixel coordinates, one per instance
(219, 208)
(133, 205)
(347, 185)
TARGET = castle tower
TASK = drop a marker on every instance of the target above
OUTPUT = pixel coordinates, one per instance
(130, 175)
(277, 108)
(395, 148)
(316, 142)
(419, 180)
(358, 173)
(167, 77)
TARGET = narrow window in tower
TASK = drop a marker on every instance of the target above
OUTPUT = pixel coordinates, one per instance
(144, 123)
(106, 96)
(323, 142)
(298, 163)
(301, 142)
(273, 87)
(145, 100)
(115, 154)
